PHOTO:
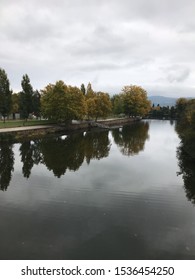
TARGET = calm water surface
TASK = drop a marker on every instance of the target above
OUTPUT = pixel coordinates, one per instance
(96, 195)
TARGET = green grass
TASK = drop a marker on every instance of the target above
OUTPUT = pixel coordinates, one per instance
(19, 123)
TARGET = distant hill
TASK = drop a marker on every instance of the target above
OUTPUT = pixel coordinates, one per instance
(162, 100)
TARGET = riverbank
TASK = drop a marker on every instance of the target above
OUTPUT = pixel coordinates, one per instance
(18, 133)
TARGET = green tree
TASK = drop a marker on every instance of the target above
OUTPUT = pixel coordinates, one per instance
(36, 103)
(117, 104)
(5, 94)
(173, 112)
(135, 101)
(26, 98)
(15, 104)
(62, 103)
(181, 104)
(83, 89)
(164, 112)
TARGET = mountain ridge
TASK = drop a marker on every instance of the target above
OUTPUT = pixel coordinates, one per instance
(162, 100)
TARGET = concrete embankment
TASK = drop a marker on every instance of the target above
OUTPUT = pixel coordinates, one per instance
(19, 133)
(118, 122)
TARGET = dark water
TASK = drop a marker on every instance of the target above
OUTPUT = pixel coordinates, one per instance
(97, 195)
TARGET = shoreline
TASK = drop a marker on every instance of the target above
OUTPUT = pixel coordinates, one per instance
(19, 133)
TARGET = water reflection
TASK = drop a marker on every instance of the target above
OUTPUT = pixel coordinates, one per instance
(62, 153)
(131, 139)
(57, 153)
(97, 145)
(187, 170)
(30, 154)
(186, 159)
(6, 164)
(116, 208)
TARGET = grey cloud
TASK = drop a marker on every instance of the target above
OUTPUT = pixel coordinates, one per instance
(112, 66)
(170, 13)
(116, 42)
(179, 76)
(28, 26)
(177, 73)
(119, 42)
(188, 28)
(170, 91)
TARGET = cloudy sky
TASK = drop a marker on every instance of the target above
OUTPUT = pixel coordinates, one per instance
(110, 43)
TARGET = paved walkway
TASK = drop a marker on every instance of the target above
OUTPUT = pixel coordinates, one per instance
(21, 128)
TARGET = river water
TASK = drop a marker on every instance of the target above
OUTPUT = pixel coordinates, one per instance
(96, 195)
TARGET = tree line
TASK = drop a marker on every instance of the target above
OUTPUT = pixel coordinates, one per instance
(26, 102)
(62, 103)
(163, 112)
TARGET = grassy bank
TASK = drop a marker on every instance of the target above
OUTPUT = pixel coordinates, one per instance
(21, 123)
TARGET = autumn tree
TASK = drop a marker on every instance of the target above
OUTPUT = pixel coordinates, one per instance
(91, 107)
(135, 101)
(61, 102)
(5, 94)
(99, 106)
(89, 92)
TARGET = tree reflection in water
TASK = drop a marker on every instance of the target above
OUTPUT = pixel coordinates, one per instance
(97, 145)
(30, 155)
(6, 164)
(60, 154)
(187, 169)
(131, 139)
(186, 158)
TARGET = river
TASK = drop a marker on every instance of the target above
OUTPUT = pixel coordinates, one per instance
(114, 194)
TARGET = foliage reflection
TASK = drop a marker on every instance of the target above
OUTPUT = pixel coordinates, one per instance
(187, 170)
(68, 152)
(131, 139)
(64, 152)
(186, 157)
(6, 164)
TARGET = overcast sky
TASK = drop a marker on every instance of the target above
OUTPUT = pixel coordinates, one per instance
(110, 43)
